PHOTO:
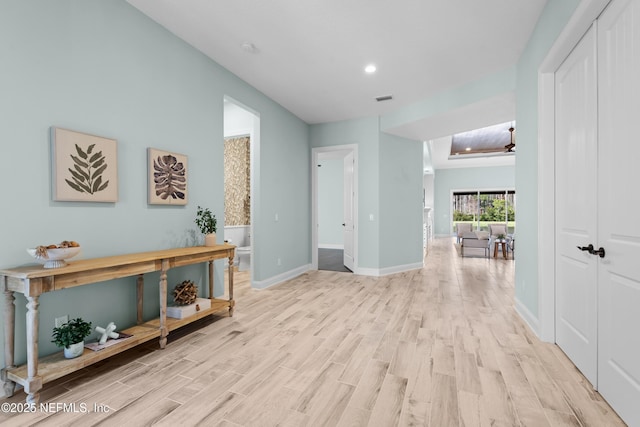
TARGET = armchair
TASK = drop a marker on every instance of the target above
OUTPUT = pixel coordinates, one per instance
(475, 239)
(461, 228)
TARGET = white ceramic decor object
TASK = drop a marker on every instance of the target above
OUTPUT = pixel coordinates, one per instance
(107, 333)
(74, 350)
(55, 258)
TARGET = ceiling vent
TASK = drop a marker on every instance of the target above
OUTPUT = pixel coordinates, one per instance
(384, 98)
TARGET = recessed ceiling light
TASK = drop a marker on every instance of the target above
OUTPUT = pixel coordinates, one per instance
(370, 69)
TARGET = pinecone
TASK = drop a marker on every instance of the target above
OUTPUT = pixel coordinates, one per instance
(185, 293)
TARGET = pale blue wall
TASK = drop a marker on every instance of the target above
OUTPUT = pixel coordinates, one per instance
(363, 133)
(331, 202)
(447, 180)
(554, 17)
(102, 67)
(401, 209)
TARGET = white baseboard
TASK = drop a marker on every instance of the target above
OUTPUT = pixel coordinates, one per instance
(377, 272)
(528, 317)
(283, 277)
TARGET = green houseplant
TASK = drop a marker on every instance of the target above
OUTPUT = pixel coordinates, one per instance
(207, 223)
(71, 337)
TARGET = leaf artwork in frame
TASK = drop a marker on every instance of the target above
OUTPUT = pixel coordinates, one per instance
(86, 175)
(167, 178)
(84, 167)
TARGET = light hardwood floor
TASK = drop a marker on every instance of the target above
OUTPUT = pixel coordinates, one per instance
(440, 346)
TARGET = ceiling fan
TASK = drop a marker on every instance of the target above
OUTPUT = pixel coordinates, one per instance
(510, 147)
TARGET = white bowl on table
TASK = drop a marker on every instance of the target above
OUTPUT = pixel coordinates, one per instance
(55, 258)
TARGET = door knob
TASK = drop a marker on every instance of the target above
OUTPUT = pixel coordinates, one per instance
(586, 248)
(599, 252)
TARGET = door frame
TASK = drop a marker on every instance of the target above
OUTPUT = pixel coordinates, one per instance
(581, 20)
(315, 154)
(254, 168)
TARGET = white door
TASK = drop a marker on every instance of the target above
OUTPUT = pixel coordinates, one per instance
(597, 167)
(576, 206)
(348, 224)
(619, 204)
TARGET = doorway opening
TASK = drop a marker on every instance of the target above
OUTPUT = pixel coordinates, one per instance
(241, 142)
(335, 195)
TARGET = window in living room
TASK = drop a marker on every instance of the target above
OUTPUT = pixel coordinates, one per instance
(481, 208)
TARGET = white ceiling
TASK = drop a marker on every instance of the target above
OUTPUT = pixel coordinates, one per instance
(311, 54)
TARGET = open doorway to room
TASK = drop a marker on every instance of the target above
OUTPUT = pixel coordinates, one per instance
(334, 234)
(241, 138)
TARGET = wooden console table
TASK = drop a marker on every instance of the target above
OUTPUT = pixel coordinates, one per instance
(33, 281)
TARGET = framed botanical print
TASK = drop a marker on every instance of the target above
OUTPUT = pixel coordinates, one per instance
(167, 178)
(84, 167)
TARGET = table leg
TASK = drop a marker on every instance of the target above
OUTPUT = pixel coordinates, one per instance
(504, 250)
(9, 341)
(232, 303)
(164, 331)
(210, 279)
(34, 382)
(139, 295)
(495, 249)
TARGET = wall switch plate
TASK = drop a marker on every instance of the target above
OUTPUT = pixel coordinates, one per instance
(61, 320)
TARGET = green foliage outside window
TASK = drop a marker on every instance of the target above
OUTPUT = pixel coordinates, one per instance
(482, 209)
(496, 212)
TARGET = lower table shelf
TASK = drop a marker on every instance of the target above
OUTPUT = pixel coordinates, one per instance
(56, 365)
(32, 281)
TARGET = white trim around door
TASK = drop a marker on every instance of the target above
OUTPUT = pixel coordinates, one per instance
(586, 12)
(338, 151)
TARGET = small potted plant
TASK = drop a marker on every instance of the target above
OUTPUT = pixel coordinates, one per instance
(71, 337)
(207, 224)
